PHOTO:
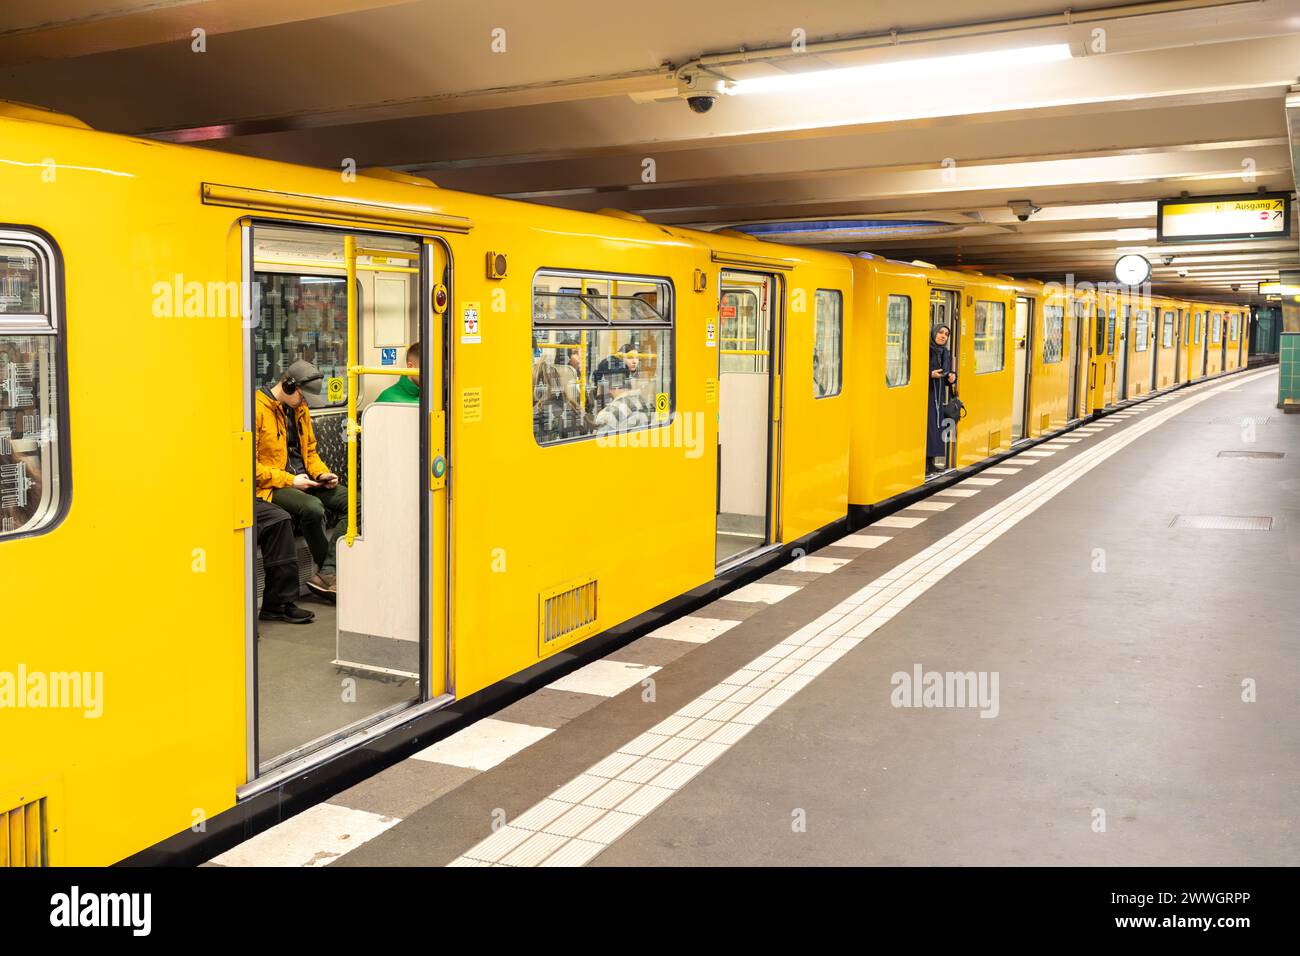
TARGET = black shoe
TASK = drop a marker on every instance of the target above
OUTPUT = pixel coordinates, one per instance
(289, 612)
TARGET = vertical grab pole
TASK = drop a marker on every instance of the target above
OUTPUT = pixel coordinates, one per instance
(350, 260)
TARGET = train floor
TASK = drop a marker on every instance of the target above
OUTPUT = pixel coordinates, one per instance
(1065, 658)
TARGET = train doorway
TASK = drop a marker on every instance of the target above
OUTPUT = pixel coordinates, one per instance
(945, 309)
(352, 630)
(1121, 372)
(1079, 360)
(747, 344)
(1020, 404)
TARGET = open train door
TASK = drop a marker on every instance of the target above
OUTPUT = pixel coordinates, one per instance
(365, 308)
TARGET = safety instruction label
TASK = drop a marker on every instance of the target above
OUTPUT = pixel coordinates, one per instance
(470, 333)
(662, 404)
(471, 405)
(388, 356)
(335, 389)
(711, 390)
(710, 334)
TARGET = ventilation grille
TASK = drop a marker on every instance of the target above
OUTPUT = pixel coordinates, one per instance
(995, 442)
(1223, 522)
(23, 839)
(1046, 422)
(566, 614)
(1269, 455)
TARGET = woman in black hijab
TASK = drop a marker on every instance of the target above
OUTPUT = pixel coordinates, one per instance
(942, 377)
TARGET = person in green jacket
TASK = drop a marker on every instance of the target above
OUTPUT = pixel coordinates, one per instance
(407, 388)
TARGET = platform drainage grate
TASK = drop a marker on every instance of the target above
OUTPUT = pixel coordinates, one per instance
(1263, 455)
(1223, 522)
(1241, 420)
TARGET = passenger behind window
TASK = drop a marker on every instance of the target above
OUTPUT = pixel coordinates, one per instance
(407, 388)
(556, 416)
(626, 409)
(622, 365)
(291, 475)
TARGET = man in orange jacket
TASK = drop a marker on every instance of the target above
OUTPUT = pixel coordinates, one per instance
(291, 475)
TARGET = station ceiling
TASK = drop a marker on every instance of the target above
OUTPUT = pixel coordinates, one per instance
(565, 102)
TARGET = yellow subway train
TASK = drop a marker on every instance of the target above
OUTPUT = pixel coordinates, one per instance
(523, 514)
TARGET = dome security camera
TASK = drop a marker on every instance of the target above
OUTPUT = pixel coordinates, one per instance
(700, 90)
(1023, 209)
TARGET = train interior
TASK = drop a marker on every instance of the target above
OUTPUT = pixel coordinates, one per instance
(745, 348)
(360, 656)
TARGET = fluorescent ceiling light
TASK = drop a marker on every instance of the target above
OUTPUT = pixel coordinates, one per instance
(933, 66)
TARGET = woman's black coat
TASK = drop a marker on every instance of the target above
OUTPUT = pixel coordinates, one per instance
(941, 360)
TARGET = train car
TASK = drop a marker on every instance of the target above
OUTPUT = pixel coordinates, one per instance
(452, 577)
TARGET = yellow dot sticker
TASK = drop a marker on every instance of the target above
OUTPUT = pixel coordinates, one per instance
(335, 389)
(661, 406)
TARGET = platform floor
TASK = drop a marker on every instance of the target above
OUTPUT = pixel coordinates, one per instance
(762, 729)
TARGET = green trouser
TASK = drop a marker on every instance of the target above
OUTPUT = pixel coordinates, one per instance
(316, 510)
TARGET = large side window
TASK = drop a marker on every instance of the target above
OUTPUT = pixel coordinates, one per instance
(1053, 333)
(1110, 332)
(1099, 320)
(33, 452)
(1167, 331)
(602, 354)
(828, 344)
(1216, 327)
(990, 336)
(898, 341)
(1141, 330)
(1198, 325)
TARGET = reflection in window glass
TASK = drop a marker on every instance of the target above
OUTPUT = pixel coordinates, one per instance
(1110, 333)
(1141, 331)
(21, 288)
(828, 344)
(990, 336)
(1101, 332)
(898, 341)
(1053, 333)
(1197, 325)
(602, 356)
(302, 317)
(1216, 327)
(1167, 331)
(30, 461)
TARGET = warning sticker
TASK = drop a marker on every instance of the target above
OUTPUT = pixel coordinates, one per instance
(727, 312)
(470, 333)
(711, 390)
(710, 334)
(471, 405)
(335, 389)
(661, 407)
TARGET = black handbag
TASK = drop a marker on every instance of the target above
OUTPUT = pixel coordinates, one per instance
(953, 409)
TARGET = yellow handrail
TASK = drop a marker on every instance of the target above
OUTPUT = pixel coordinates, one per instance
(323, 264)
(350, 262)
(743, 352)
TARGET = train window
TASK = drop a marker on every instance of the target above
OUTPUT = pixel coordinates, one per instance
(1101, 331)
(1216, 327)
(1232, 330)
(744, 332)
(602, 355)
(1141, 330)
(1110, 332)
(990, 336)
(33, 451)
(898, 341)
(1167, 331)
(1053, 333)
(302, 317)
(828, 343)
(1198, 325)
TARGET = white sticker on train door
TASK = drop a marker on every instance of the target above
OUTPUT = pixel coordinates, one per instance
(710, 334)
(470, 332)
